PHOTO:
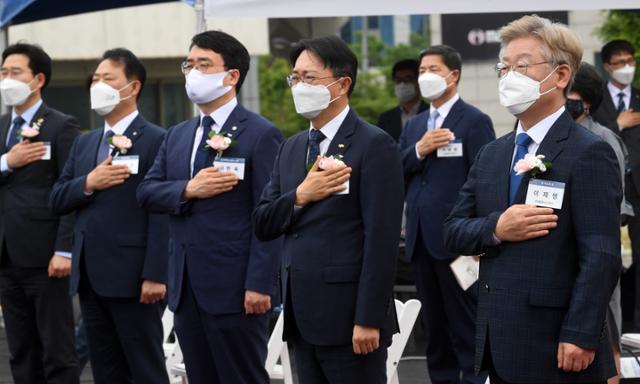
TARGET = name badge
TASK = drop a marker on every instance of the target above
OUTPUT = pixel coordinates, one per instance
(132, 162)
(47, 151)
(231, 164)
(454, 149)
(545, 193)
(344, 191)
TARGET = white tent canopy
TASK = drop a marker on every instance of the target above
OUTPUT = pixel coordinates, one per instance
(327, 8)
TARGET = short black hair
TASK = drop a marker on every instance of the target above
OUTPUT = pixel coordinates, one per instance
(133, 67)
(234, 54)
(450, 56)
(334, 53)
(589, 85)
(39, 60)
(406, 64)
(614, 47)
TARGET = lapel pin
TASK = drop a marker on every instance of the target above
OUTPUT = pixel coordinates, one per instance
(340, 145)
(234, 128)
(135, 133)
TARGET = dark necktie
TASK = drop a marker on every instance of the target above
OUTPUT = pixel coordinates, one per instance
(103, 151)
(13, 134)
(522, 147)
(621, 106)
(315, 138)
(202, 153)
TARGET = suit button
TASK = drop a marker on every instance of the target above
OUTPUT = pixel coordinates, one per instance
(295, 235)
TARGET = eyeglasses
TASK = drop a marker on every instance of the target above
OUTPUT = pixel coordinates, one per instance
(202, 66)
(621, 63)
(307, 79)
(502, 69)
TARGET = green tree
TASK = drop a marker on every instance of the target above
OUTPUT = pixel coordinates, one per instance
(623, 25)
(276, 103)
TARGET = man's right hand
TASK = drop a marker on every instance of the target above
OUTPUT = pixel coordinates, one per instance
(318, 185)
(432, 140)
(523, 222)
(628, 119)
(25, 153)
(209, 182)
(106, 176)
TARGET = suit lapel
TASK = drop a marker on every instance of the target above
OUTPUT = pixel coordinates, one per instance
(189, 137)
(299, 157)
(235, 126)
(635, 99)
(94, 145)
(342, 140)
(133, 132)
(551, 146)
(504, 165)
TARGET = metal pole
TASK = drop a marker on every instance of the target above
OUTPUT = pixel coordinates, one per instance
(365, 43)
(201, 22)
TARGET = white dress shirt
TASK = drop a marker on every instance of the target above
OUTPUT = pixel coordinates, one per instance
(27, 116)
(219, 117)
(614, 91)
(121, 126)
(443, 112)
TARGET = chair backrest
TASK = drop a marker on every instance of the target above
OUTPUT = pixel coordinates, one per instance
(167, 324)
(275, 344)
(407, 315)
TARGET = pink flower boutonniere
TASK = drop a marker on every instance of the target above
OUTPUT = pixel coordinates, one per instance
(532, 164)
(121, 142)
(32, 131)
(331, 162)
(220, 142)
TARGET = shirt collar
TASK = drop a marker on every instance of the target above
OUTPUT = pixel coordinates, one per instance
(614, 91)
(331, 128)
(540, 130)
(221, 114)
(27, 115)
(122, 125)
(445, 108)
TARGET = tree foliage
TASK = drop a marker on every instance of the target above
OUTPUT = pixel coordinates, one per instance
(623, 25)
(373, 93)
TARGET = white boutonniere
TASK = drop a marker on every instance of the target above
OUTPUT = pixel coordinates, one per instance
(32, 131)
(532, 164)
(220, 142)
(121, 142)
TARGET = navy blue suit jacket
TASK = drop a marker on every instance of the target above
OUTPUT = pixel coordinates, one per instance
(433, 183)
(215, 236)
(119, 242)
(534, 294)
(340, 253)
(30, 231)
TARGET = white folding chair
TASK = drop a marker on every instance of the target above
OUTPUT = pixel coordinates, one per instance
(407, 315)
(167, 329)
(277, 349)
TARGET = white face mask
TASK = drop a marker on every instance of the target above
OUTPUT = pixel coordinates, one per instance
(15, 93)
(204, 88)
(624, 75)
(432, 85)
(104, 97)
(310, 100)
(405, 91)
(518, 92)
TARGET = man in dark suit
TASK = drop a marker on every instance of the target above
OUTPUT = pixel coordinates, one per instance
(222, 279)
(435, 168)
(548, 233)
(341, 225)
(119, 250)
(35, 244)
(620, 112)
(405, 78)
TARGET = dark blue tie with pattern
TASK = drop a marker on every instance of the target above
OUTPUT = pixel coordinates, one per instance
(522, 147)
(315, 138)
(202, 153)
(13, 135)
